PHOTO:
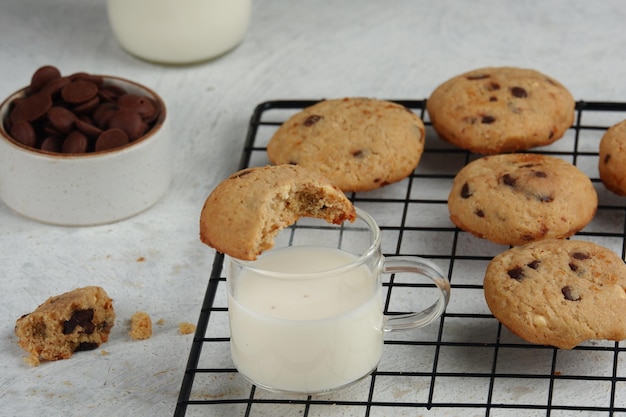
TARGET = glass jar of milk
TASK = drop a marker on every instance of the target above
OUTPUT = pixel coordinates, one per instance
(179, 31)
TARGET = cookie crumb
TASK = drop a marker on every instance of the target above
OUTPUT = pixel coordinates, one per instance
(160, 322)
(140, 326)
(186, 328)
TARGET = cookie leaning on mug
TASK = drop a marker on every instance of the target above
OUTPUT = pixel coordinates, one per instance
(244, 213)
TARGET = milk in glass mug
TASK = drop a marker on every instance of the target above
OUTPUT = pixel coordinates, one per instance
(307, 316)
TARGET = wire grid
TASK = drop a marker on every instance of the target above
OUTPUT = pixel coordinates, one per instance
(466, 363)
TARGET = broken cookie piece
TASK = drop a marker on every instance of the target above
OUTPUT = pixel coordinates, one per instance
(245, 212)
(77, 320)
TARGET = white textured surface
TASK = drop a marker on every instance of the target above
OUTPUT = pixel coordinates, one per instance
(300, 49)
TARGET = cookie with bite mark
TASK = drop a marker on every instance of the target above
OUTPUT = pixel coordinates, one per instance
(558, 292)
(514, 199)
(501, 109)
(359, 144)
(244, 213)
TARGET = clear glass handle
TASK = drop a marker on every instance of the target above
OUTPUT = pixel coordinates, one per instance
(420, 266)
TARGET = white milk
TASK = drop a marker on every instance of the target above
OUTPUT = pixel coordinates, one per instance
(178, 31)
(306, 335)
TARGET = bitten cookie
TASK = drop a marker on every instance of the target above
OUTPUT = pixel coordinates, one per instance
(513, 199)
(244, 213)
(501, 109)
(359, 144)
(77, 320)
(558, 292)
(612, 158)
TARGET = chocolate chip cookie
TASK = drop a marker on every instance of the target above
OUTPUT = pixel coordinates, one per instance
(77, 320)
(244, 213)
(612, 158)
(514, 199)
(558, 292)
(360, 144)
(501, 109)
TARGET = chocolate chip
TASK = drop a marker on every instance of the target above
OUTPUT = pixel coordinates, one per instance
(111, 93)
(55, 86)
(492, 86)
(24, 133)
(85, 125)
(607, 158)
(519, 92)
(479, 213)
(98, 80)
(61, 119)
(142, 105)
(573, 267)
(129, 121)
(42, 76)
(570, 294)
(80, 318)
(84, 346)
(540, 174)
(534, 264)
(31, 108)
(52, 144)
(75, 142)
(465, 191)
(486, 119)
(311, 120)
(477, 77)
(88, 106)
(516, 273)
(79, 91)
(580, 255)
(358, 154)
(507, 179)
(103, 113)
(111, 138)
(493, 98)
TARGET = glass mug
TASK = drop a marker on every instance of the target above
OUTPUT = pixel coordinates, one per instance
(307, 316)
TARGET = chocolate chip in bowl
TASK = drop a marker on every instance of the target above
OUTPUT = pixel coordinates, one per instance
(82, 149)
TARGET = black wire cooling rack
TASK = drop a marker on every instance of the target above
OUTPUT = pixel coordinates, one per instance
(466, 363)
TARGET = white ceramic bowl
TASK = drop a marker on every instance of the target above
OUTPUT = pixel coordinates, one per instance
(90, 188)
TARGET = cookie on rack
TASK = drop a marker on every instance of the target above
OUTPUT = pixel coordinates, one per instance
(244, 213)
(77, 320)
(501, 109)
(612, 158)
(513, 199)
(558, 292)
(360, 144)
